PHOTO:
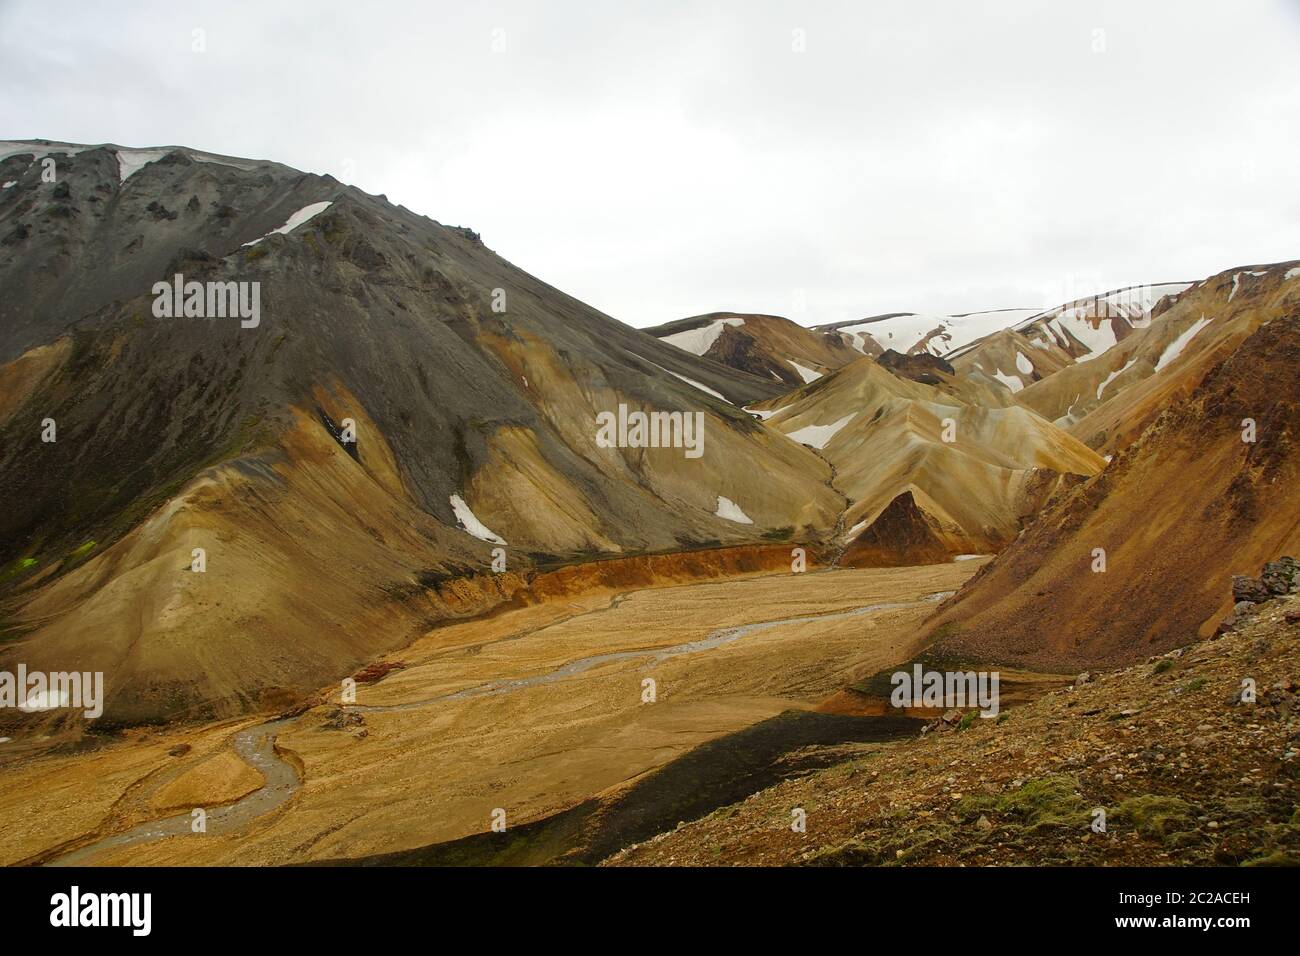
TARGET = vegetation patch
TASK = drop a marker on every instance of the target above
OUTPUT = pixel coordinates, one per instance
(1053, 800)
(1155, 816)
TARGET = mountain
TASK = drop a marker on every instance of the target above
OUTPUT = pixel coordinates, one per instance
(472, 390)
(1010, 357)
(1107, 403)
(919, 332)
(931, 465)
(764, 345)
(1074, 333)
(1196, 498)
(1087, 327)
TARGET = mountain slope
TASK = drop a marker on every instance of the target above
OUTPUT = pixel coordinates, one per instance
(931, 464)
(1012, 358)
(1177, 513)
(1087, 327)
(909, 332)
(764, 345)
(1163, 363)
(473, 389)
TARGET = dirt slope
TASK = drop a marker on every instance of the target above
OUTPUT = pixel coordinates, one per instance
(1177, 513)
(1011, 358)
(764, 345)
(1186, 773)
(954, 488)
(1166, 361)
(474, 389)
(914, 332)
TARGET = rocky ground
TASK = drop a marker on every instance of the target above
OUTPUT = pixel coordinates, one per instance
(1187, 765)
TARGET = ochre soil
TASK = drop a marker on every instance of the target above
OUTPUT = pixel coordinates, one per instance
(404, 779)
(1186, 773)
(1177, 514)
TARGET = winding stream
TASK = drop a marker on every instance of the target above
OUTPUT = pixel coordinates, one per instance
(721, 636)
(256, 745)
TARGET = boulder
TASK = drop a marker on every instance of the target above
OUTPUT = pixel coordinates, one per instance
(1279, 576)
(1252, 590)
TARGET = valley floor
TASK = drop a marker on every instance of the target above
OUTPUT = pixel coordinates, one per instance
(531, 712)
(1185, 771)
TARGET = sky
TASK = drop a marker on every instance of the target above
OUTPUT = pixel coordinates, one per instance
(823, 161)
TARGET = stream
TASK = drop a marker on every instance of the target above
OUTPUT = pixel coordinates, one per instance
(256, 744)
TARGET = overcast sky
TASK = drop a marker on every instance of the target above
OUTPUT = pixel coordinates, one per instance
(823, 161)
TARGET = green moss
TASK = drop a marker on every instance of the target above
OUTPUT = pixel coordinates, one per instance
(1276, 858)
(894, 847)
(17, 569)
(1193, 685)
(82, 551)
(1047, 801)
(1162, 666)
(1155, 816)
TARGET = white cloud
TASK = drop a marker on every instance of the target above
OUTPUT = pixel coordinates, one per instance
(665, 161)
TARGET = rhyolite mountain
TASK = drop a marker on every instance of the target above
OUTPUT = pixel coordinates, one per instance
(1139, 558)
(931, 465)
(472, 426)
(135, 448)
(768, 346)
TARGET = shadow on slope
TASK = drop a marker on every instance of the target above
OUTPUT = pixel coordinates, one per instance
(717, 774)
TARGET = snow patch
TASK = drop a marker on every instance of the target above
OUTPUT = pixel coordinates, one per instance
(1236, 280)
(819, 435)
(131, 161)
(969, 557)
(1078, 321)
(731, 511)
(1114, 375)
(1023, 365)
(10, 184)
(470, 523)
(1010, 381)
(17, 147)
(39, 700)
(1292, 273)
(690, 381)
(954, 331)
(303, 215)
(762, 414)
(698, 341)
(220, 160)
(808, 374)
(1096, 339)
(1175, 348)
